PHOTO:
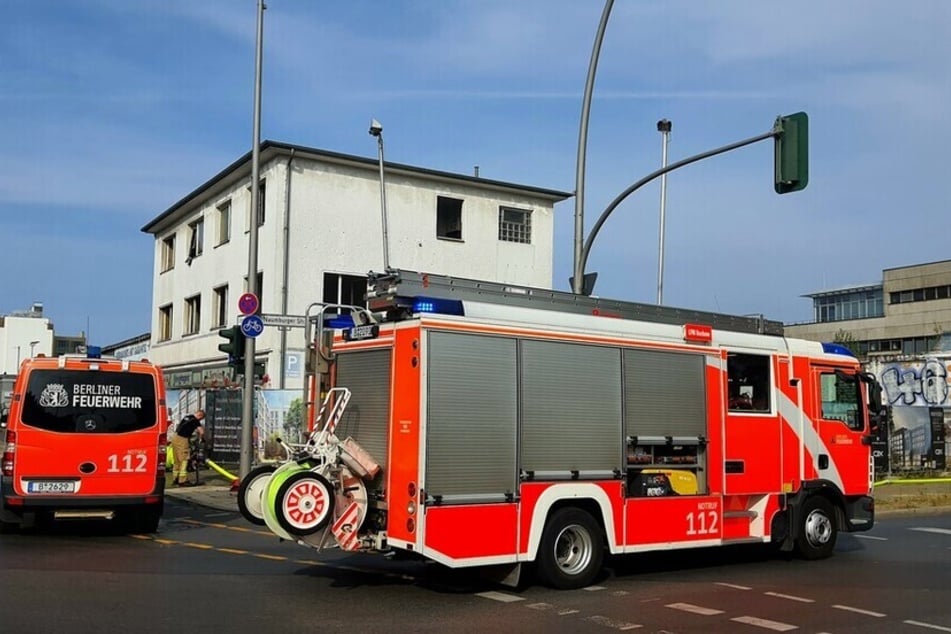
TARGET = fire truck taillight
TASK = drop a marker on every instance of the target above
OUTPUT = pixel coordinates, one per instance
(8, 451)
(411, 525)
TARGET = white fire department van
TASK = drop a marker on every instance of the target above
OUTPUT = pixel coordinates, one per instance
(478, 424)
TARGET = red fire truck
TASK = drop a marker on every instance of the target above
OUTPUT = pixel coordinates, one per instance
(479, 424)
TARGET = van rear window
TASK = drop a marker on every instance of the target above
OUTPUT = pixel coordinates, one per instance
(70, 401)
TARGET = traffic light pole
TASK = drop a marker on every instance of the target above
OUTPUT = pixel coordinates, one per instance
(583, 261)
(247, 402)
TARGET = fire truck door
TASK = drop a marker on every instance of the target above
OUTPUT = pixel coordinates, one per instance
(753, 432)
(841, 455)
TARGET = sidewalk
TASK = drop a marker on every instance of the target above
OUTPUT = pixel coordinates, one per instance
(214, 492)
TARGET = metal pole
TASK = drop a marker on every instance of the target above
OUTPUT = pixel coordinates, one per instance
(578, 282)
(247, 401)
(670, 168)
(663, 126)
(376, 129)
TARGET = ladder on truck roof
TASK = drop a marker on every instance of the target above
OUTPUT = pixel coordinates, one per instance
(396, 289)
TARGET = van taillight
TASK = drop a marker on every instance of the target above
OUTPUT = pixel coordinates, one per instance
(8, 450)
(162, 454)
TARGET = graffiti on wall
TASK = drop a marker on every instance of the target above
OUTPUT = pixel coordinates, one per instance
(921, 383)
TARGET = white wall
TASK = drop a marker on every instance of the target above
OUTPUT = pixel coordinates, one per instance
(16, 334)
(335, 225)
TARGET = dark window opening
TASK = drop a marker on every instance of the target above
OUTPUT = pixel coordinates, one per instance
(448, 218)
(748, 376)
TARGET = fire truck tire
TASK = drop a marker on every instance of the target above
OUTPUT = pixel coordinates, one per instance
(251, 493)
(817, 529)
(571, 550)
(304, 504)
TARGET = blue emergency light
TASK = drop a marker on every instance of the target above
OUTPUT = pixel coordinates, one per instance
(836, 348)
(339, 322)
(438, 306)
(93, 352)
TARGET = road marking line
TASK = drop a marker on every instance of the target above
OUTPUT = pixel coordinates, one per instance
(620, 593)
(593, 588)
(940, 628)
(541, 607)
(197, 545)
(500, 596)
(731, 585)
(271, 557)
(791, 597)
(239, 529)
(617, 625)
(859, 611)
(566, 611)
(881, 539)
(695, 609)
(928, 529)
(167, 542)
(233, 551)
(776, 626)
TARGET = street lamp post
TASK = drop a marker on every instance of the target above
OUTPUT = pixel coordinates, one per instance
(376, 129)
(663, 126)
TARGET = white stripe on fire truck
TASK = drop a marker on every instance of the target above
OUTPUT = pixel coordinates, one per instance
(790, 413)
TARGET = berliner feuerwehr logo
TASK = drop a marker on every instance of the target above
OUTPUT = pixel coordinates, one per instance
(54, 395)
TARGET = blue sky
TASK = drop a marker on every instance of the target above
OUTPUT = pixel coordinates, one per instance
(113, 110)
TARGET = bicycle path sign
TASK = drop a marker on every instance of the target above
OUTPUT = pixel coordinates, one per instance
(252, 326)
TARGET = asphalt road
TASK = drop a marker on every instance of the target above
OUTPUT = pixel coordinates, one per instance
(210, 571)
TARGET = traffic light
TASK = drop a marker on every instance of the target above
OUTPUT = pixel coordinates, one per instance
(792, 153)
(234, 347)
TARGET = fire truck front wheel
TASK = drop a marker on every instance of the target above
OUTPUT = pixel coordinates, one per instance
(251, 493)
(817, 528)
(571, 551)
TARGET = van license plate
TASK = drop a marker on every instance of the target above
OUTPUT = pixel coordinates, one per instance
(51, 487)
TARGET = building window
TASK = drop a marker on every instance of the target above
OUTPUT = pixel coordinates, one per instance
(515, 225)
(345, 289)
(192, 314)
(196, 239)
(168, 253)
(448, 218)
(259, 291)
(220, 306)
(749, 382)
(262, 189)
(224, 222)
(165, 323)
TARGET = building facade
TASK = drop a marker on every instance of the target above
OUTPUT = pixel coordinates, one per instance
(24, 334)
(907, 314)
(320, 231)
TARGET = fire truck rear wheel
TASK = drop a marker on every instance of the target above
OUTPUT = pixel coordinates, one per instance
(571, 551)
(817, 529)
(251, 493)
(304, 504)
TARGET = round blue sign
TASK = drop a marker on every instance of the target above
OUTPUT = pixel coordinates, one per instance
(252, 326)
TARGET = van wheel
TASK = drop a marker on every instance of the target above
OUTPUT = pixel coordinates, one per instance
(251, 493)
(571, 550)
(304, 503)
(817, 529)
(144, 519)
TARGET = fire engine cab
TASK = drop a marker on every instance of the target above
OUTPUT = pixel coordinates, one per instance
(478, 424)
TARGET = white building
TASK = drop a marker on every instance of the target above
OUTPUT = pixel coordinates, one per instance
(24, 334)
(320, 232)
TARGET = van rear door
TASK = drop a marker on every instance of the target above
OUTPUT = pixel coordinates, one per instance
(87, 432)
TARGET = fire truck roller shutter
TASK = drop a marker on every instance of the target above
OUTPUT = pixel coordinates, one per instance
(471, 416)
(571, 408)
(665, 394)
(367, 375)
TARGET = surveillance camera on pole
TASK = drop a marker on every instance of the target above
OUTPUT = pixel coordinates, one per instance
(376, 129)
